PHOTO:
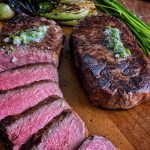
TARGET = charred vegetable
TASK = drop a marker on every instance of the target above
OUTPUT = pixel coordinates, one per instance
(44, 7)
(67, 11)
(32, 7)
(19, 6)
(5, 12)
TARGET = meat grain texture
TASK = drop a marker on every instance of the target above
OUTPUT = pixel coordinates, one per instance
(30, 97)
(17, 129)
(18, 100)
(28, 74)
(65, 133)
(110, 82)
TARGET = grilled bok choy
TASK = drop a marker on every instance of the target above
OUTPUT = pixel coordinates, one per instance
(70, 12)
(64, 12)
(67, 12)
(140, 29)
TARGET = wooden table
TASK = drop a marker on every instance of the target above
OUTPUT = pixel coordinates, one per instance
(129, 129)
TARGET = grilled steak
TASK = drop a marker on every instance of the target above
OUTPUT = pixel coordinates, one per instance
(15, 130)
(26, 75)
(47, 50)
(16, 101)
(65, 132)
(110, 82)
(97, 143)
(33, 114)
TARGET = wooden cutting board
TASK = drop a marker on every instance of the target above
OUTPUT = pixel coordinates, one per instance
(128, 129)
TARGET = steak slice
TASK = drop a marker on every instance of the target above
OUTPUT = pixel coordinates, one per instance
(110, 82)
(17, 101)
(47, 50)
(97, 143)
(65, 132)
(15, 130)
(26, 75)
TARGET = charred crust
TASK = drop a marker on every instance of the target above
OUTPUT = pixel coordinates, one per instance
(110, 83)
(4, 138)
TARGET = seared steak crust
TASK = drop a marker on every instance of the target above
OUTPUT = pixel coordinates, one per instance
(47, 50)
(110, 82)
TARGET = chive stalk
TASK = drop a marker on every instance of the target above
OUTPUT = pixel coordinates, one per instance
(139, 28)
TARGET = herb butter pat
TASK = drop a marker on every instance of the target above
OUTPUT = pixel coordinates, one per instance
(114, 43)
(28, 36)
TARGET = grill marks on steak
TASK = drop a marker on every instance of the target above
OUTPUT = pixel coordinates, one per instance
(66, 132)
(47, 50)
(28, 74)
(17, 129)
(110, 83)
(17, 101)
(97, 143)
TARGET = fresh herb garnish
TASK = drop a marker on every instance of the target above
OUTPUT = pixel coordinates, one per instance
(28, 36)
(114, 43)
(140, 29)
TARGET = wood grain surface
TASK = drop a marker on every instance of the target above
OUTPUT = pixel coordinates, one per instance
(128, 129)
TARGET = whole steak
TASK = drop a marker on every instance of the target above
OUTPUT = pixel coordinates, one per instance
(110, 82)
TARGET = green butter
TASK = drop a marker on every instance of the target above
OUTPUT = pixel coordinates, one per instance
(28, 36)
(114, 43)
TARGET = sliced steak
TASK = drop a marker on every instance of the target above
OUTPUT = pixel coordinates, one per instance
(97, 143)
(110, 82)
(15, 130)
(47, 50)
(17, 101)
(65, 132)
(26, 75)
